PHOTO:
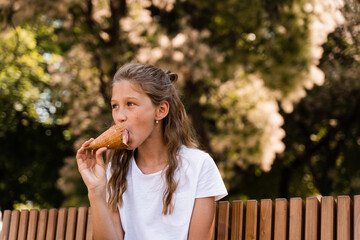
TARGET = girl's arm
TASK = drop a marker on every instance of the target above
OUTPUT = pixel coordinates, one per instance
(106, 223)
(201, 223)
(115, 216)
(92, 169)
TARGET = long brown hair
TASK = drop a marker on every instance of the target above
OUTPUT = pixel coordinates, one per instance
(158, 85)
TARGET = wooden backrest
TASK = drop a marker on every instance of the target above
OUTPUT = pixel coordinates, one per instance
(310, 219)
(295, 219)
(48, 224)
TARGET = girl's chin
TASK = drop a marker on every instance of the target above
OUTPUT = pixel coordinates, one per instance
(130, 147)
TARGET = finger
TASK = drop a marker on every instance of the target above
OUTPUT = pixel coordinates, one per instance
(99, 156)
(80, 154)
(89, 154)
(80, 160)
(87, 142)
(81, 149)
(80, 163)
(83, 155)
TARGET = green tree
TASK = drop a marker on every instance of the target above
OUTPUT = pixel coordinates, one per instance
(322, 133)
(325, 144)
(238, 61)
(32, 146)
(31, 156)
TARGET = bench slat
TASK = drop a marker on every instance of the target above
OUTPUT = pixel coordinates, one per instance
(265, 219)
(81, 223)
(51, 224)
(5, 225)
(14, 225)
(311, 218)
(343, 221)
(237, 220)
(23, 224)
(33, 221)
(280, 219)
(295, 218)
(71, 223)
(327, 218)
(223, 220)
(89, 228)
(41, 226)
(251, 220)
(356, 217)
(61, 224)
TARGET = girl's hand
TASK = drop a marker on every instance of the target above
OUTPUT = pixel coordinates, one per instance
(92, 168)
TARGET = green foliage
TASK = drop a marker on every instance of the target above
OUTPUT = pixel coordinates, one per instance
(322, 133)
(30, 158)
(238, 61)
(271, 38)
(32, 151)
(325, 143)
(22, 76)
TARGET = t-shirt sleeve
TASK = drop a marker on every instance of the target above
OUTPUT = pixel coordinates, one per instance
(210, 182)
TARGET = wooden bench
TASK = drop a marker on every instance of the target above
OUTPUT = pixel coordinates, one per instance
(327, 218)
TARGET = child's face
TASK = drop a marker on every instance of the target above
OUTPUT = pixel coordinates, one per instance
(132, 108)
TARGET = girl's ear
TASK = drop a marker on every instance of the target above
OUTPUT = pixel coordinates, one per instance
(162, 110)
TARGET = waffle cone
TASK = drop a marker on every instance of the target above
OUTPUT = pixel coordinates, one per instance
(113, 138)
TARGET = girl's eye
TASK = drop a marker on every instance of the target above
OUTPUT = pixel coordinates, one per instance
(113, 106)
(130, 104)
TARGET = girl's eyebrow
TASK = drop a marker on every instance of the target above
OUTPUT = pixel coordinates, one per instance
(126, 98)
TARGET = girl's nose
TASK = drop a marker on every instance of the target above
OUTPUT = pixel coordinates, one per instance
(119, 116)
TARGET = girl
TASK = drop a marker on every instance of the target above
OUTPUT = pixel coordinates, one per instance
(162, 186)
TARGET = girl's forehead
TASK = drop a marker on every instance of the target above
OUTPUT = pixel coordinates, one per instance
(125, 88)
(126, 85)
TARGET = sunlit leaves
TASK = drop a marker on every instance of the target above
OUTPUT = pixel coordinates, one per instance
(248, 126)
(323, 131)
(22, 74)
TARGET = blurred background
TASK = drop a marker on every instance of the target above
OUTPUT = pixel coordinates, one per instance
(271, 87)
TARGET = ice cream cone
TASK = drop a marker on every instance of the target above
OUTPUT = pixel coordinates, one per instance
(115, 137)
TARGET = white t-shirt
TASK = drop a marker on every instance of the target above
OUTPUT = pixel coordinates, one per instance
(141, 214)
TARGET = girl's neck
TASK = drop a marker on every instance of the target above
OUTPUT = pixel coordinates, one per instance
(151, 158)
